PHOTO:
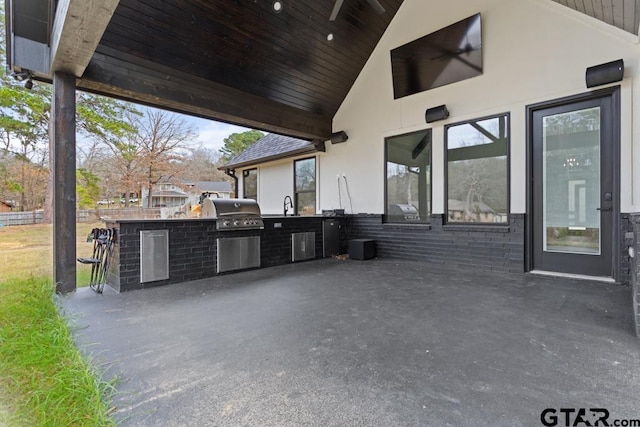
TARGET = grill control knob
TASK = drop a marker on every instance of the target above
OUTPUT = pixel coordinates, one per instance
(236, 222)
(226, 223)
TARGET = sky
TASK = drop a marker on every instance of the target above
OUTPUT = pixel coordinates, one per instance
(211, 133)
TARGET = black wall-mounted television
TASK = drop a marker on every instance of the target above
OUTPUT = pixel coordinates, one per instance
(446, 56)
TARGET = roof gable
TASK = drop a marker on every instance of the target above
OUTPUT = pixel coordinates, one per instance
(271, 147)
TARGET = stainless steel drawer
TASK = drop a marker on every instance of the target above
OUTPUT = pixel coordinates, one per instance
(237, 253)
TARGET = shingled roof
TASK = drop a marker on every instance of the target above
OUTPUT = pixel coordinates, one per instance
(271, 147)
(211, 186)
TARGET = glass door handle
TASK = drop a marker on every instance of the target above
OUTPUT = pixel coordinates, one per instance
(605, 209)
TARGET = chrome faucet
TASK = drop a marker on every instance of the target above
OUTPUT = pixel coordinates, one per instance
(288, 203)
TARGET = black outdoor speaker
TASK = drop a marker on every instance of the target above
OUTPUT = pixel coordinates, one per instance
(436, 113)
(338, 137)
(605, 73)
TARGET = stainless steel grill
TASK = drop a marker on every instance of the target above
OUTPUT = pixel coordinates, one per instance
(404, 211)
(233, 214)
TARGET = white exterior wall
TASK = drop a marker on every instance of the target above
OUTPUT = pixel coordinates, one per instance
(275, 181)
(534, 51)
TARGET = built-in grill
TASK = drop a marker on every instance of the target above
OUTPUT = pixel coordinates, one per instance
(404, 211)
(233, 214)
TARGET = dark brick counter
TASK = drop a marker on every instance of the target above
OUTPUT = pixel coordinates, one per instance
(193, 248)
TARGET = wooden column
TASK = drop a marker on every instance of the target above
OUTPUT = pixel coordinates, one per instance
(64, 181)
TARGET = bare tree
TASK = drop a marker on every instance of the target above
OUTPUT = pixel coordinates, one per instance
(164, 139)
(202, 165)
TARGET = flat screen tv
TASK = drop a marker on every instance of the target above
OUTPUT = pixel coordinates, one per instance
(446, 56)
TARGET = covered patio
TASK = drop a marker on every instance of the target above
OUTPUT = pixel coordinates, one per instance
(382, 342)
(376, 342)
(316, 70)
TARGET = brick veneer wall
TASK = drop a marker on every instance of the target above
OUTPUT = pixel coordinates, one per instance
(633, 239)
(625, 239)
(486, 247)
(193, 247)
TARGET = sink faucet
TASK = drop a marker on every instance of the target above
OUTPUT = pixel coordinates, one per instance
(288, 203)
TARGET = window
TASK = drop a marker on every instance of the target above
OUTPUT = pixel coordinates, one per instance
(408, 172)
(304, 183)
(478, 171)
(250, 184)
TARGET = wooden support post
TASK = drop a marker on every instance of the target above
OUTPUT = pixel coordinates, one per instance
(64, 178)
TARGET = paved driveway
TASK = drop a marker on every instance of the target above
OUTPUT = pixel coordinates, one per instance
(370, 343)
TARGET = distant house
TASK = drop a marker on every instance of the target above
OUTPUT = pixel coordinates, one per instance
(221, 190)
(167, 192)
(477, 212)
(6, 206)
(275, 167)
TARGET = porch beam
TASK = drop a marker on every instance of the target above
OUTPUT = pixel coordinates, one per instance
(77, 29)
(141, 81)
(64, 177)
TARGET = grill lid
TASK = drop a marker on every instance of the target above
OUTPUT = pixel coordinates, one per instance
(230, 207)
(402, 209)
(233, 214)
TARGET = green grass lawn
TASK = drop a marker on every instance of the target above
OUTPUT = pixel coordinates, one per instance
(44, 380)
(27, 250)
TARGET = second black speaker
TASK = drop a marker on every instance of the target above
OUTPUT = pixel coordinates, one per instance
(603, 74)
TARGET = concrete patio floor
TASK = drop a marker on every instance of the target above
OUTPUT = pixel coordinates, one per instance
(363, 343)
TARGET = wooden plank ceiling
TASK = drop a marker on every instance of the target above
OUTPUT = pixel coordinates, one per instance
(238, 60)
(624, 14)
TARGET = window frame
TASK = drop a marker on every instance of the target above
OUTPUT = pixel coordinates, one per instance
(245, 174)
(446, 220)
(385, 216)
(315, 189)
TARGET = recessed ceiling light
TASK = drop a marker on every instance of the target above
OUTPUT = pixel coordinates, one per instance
(330, 37)
(277, 6)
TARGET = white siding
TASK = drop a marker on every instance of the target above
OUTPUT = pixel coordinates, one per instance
(274, 183)
(534, 51)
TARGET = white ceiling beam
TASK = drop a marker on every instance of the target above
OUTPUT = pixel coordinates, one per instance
(77, 29)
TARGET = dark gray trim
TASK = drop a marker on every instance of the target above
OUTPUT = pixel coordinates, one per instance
(245, 174)
(8, 35)
(614, 93)
(446, 172)
(385, 216)
(232, 174)
(315, 189)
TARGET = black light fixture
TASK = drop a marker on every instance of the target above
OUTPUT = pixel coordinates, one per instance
(319, 145)
(339, 137)
(23, 75)
(436, 113)
(603, 74)
(277, 6)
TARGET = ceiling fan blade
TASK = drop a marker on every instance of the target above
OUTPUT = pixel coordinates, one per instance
(336, 9)
(377, 6)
